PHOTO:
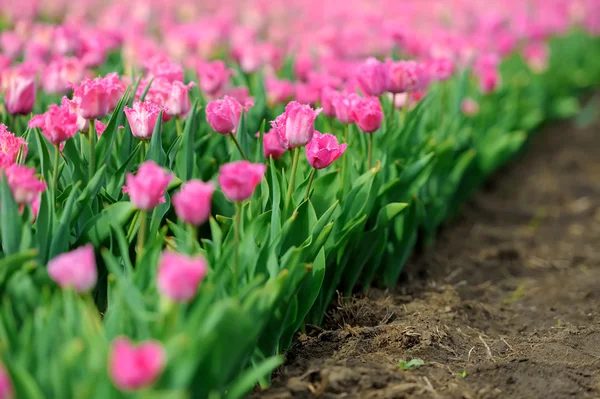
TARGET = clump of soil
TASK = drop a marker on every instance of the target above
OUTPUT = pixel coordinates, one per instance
(505, 304)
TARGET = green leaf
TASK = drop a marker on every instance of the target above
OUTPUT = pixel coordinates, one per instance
(10, 222)
(60, 238)
(12, 263)
(156, 152)
(98, 228)
(184, 163)
(414, 363)
(107, 139)
(248, 379)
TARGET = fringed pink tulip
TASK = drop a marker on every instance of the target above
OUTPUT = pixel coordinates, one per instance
(75, 269)
(328, 95)
(192, 202)
(373, 77)
(307, 93)
(213, 76)
(134, 367)
(343, 104)
(296, 125)
(178, 101)
(93, 98)
(23, 184)
(224, 115)
(6, 387)
(367, 114)
(469, 107)
(147, 188)
(58, 124)
(238, 180)
(271, 145)
(440, 69)
(142, 118)
(323, 149)
(60, 74)
(20, 94)
(10, 145)
(179, 276)
(405, 76)
(162, 68)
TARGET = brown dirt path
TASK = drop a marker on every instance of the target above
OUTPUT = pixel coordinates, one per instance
(505, 305)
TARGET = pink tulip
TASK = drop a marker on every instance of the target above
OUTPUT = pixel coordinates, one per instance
(35, 207)
(60, 74)
(373, 77)
(224, 115)
(23, 184)
(537, 55)
(323, 149)
(76, 269)
(12, 44)
(242, 94)
(238, 180)
(93, 98)
(20, 94)
(6, 387)
(440, 69)
(147, 188)
(328, 94)
(489, 80)
(213, 76)
(134, 367)
(367, 114)
(179, 276)
(271, 145)
(162, 68)
(469, 107)
(405, 76)
(142, 118)
(58, 124)
(178, 101)
(295, 126)
(192, 202)
(278, 90)
(343, 104)
(10, 145)
(307, 93)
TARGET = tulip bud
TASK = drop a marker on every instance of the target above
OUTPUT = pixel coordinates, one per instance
(23, 184)
(367, 114)
(179, 276)
(58, 124)
(178, 101)
(142, 118)
(20, 94)
(469, 107)
(147, 188)
(10, 145)
(271, 145)
(373, 77)
(75, 269)
(323, 149)
(133, 367)
(238, 180)
(343, 104)
(192, 202)
(295, 126)
(224, 115)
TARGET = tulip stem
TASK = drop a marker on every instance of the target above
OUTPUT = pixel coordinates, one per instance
(370, 156)
(288, 197)
(343, 170)
(310, 182)
(392, 108)
(178, 125)
(55, 172)
(92, 148)
(236, 261)
(193, 234)
(238, 146)
(405, 107)
(142, 233)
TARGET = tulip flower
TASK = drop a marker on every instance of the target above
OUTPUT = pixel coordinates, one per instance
(58, 124)
(295, 126)
(178, 102)
(469, 107)
(405, 76)
(134, 367)
(179, 276)
(10, 146)
(278, 90)
(537, 55)
(489, 80)
(271, 145)
(368, 115)
(224, 115)
(94, 97)
(23, 184)
(192, 202)
(20, 94)
(239, 179)
(60, 73)
(142, 118)
(213, 76)
(343, 104)
(373, 77)
(440, 69)
(6, 387)
(147, 188)
(323, 149)
(327, 97)
(75, 269)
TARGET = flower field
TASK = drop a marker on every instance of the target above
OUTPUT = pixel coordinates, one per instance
(185, 186)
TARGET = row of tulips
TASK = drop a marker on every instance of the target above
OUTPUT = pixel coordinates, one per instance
(168, 239)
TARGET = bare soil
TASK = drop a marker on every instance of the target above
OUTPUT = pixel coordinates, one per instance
(506, 304)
